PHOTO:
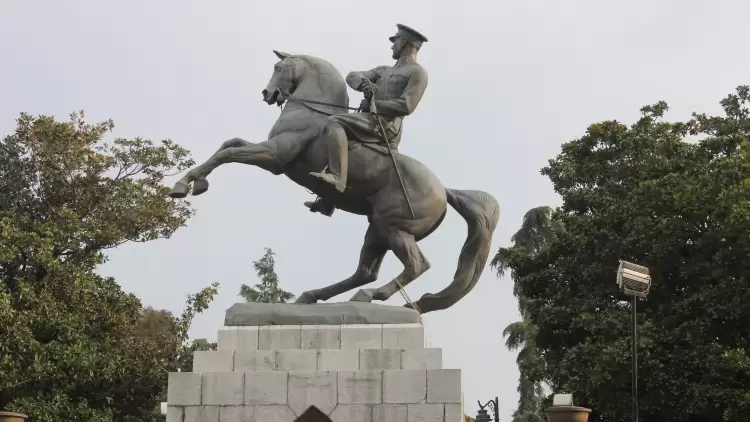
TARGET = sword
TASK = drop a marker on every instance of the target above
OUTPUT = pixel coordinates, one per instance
(374, 111)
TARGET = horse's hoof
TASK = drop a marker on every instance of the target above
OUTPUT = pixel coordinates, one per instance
(306, 297)
(364, 295)
(179, 190)
(200, 186)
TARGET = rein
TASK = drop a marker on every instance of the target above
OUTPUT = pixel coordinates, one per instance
(299, 100)
(307, 103)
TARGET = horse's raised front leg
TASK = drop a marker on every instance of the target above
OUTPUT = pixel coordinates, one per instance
(415, 264)
(235, 150)
(370, 258)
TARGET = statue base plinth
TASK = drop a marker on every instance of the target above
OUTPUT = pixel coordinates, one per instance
(257, 314)
(346, 372)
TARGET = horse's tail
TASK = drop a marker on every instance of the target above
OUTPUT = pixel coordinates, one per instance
(481, 212)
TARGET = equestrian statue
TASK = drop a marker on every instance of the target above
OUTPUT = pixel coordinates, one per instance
(351, 161)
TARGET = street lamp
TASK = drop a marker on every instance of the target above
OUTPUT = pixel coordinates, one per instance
(635, 281)
(482, 415)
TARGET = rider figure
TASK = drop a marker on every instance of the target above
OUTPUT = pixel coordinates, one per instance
(395, 90)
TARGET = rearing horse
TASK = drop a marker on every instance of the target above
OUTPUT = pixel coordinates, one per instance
(313, 90)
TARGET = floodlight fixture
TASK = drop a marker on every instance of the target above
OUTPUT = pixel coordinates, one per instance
(633, 279)
(562, 400)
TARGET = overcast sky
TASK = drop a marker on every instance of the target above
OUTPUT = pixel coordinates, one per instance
(509, 82)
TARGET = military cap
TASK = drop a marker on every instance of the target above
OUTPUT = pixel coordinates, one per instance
(408, 33)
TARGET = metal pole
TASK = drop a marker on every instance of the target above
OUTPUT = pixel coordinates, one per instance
(497, 411)
(634, 338)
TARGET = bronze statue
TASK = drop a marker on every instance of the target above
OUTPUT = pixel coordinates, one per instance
(403, 207)
(395, 90)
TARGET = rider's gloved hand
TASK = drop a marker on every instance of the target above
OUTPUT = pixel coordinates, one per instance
(369, 89)
(364, 106)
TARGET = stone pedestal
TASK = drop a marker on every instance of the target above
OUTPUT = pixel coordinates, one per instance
(352, 373)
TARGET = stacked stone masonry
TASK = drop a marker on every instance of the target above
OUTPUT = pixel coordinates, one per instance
(353, 373)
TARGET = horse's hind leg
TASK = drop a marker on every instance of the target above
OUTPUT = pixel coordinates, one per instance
(404, 246)
(370, 259)
(235, 150)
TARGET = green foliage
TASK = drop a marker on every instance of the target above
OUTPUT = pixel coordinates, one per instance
(268, 290)
(73, 345)
(646, 194)
(537, 230)
(468, 418)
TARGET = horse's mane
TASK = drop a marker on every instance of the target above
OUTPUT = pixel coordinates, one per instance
(328, 76)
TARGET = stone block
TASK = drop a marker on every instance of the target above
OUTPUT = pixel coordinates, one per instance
(277, 337)
(265, 388)
(425, 413)
(254, 360)
(389, 413)
(360, 387)
(236, 414)
(175, 414)
(184, 389)
(297, 360)
(430, 358)
(373, 359)
(362, 336)
(312, 389)
(223, 388)
(274, 413)
(321, 336)
(444, 386)
(403, 336)
(259, 314)
(202, 414)
(238, 338)
(453, 413)
(405, 386)
(213, 361)
(352, 413)
(338, 360)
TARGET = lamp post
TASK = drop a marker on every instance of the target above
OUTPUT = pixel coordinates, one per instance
(482, 415)
(635, 281)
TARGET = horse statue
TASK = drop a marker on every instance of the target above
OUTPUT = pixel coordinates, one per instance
(311, 90)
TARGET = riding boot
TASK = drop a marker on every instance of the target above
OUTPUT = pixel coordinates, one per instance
(338, 159)
(322, 206)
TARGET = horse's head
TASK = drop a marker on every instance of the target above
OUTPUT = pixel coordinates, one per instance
(286, 75)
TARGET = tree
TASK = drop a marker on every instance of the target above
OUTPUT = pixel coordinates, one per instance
(73, 345)
(536, 231)
(645, 193)
(268, 290)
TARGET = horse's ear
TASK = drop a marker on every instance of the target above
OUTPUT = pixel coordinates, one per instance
(281, 55)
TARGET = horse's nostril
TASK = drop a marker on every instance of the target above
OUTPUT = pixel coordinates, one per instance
(265, 93)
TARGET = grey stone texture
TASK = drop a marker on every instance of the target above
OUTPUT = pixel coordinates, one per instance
(309, 388)
(389, 413)
(360, 387)
(201, 413)
(425, 412)
(351, 372)
(266, 387)
(310, 337)
(236, 414)
(223, 388)
(184, 389)
(444, 386)
(352, 413)
(249, 314)
(238, 338)
(405, 386)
